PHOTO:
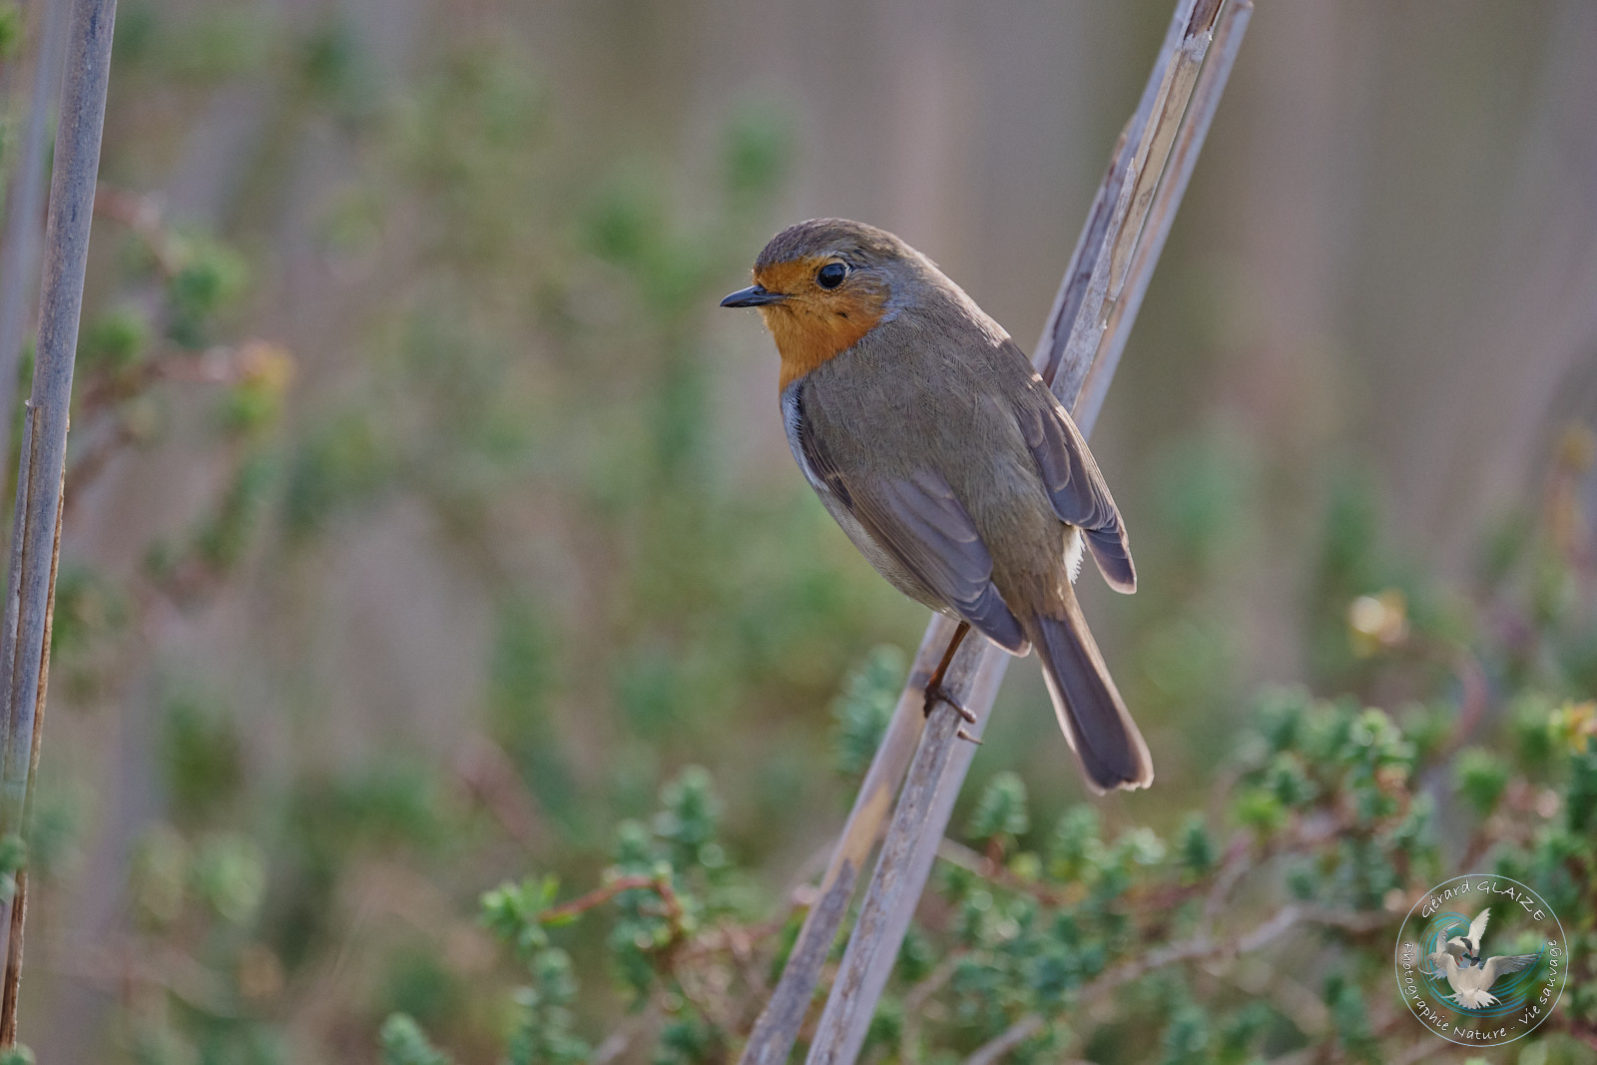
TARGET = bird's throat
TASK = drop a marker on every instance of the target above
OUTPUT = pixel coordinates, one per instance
(807, 337)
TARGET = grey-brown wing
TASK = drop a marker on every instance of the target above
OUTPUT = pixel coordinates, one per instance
(1076, 486)
(920, 523)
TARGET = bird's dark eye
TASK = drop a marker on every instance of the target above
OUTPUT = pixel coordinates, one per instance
(831, 275)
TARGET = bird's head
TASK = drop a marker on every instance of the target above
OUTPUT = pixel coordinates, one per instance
(822, 285)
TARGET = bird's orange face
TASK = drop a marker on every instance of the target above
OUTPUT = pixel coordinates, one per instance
(816, 307)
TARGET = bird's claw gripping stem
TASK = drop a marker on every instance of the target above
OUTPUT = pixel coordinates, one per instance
(936, 693)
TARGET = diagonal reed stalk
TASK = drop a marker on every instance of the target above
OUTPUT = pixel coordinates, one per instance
(25, 187)
(36, 537)
(1098, 300)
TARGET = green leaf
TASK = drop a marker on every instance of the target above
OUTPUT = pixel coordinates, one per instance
(862, 712)
(1001, 810)
(403, 1043)
(1480, 777)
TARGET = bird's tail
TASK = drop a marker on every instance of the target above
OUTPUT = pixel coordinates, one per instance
(1473, 999)
(1090, 710)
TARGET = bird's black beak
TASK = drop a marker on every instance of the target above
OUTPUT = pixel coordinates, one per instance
(753, 296)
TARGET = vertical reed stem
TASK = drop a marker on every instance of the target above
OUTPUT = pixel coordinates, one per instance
(30, 589)
(1098, 299)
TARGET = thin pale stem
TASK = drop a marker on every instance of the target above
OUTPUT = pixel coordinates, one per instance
(12, 986)
(779, 1022)
(19, 248)
(30, 591)
(1100, 293)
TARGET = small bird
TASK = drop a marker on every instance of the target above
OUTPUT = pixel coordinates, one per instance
(1472, 978)
(947, 461)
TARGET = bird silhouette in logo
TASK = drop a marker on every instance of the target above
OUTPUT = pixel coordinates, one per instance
(1470, 975)
(1471, 942)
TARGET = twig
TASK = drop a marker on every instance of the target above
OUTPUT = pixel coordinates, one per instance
(222, 364)
(142, 215)
(101, 394)
(19, 901)
(621, 1039)
(92, 460)
(1102, 291)
(669, 902)
(30, 590)
(997, 1048)
(778, 1024)
(957, 854)
(488, 775)
(117, 967)
(19, 249)
(1232, 869)
(1228, 30)
(917, 997)
(1290, 997)
(1198, 948)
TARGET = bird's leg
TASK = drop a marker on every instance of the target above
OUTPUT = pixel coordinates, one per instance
(934, 686)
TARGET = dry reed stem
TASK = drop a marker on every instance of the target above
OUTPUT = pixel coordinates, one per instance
(12, 986)
(30, 589)
(1095, 307)
(19, 249)
(779, 1023)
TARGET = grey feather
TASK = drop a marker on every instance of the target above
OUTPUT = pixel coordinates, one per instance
(945, 459)
(1091, 713)
(916, 533)
(1076, 487)
(1504, 964)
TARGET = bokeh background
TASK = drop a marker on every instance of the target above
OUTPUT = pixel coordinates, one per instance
(426, 516)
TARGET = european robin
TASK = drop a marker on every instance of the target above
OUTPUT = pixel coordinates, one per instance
(948, 463)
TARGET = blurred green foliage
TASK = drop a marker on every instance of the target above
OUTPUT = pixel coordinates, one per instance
(11, 27)
(404, 1044)
(865, 706)
(1096, 944)
(1328, 819)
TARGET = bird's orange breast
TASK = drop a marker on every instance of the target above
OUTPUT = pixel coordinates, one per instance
(812, 326)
